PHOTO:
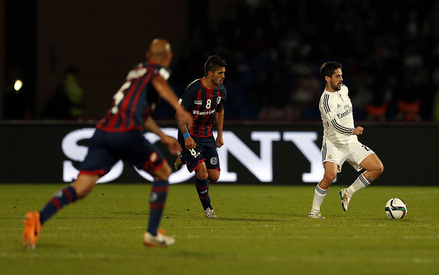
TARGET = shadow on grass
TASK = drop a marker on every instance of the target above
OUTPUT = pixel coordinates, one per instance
(248, 220)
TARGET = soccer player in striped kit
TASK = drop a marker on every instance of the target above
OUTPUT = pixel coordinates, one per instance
(120, 136)
(340, 142)
(204, 98)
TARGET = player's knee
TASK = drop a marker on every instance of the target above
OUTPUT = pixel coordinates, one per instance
(380, 168)
(166, 170)
(201, 172)
(214, 176)
(202, 175)
(82, 194)
(329, 178)
(377, 168)
(163, 173)
(84, 185)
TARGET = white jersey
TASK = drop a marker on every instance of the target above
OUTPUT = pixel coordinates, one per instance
(337, 117)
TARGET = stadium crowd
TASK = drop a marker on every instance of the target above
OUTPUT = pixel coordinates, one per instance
(274, 50)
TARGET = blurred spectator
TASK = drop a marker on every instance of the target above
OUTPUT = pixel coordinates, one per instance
(66, 102)
(376, 112)
(390, 54)
(409, 111)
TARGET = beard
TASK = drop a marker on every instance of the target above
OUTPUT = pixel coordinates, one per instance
(216, 82)
(336, 86)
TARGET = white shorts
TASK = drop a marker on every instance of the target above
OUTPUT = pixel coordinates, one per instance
(354, 153)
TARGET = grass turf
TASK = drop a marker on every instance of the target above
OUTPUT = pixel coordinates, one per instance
(260, 230)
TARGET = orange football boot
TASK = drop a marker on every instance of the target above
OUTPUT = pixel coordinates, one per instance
(32, 228)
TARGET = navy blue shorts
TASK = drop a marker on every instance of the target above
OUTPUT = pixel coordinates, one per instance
(205, 151)
(107, 148)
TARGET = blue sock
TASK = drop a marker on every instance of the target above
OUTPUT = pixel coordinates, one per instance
(157, 205)
(203, 193)
(62, 198)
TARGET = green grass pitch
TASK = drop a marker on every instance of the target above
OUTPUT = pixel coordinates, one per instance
(261, 229)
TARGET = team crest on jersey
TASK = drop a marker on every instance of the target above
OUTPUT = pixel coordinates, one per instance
(214, 160)
(218, 100)
(198, 102)
(329, 156)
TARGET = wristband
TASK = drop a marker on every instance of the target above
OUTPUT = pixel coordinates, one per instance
(186, 135)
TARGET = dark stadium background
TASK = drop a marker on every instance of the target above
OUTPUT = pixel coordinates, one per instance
(274, 50)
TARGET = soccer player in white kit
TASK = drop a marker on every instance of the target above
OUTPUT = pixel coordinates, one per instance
(340, 142)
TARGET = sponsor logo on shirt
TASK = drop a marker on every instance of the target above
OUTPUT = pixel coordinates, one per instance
(196, 112)
(345, 113)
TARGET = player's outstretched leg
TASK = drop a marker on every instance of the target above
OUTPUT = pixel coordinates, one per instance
(345, 197)
(62, 198)
(34, 220)
(154, 237)
(346, 194)
(374, 168)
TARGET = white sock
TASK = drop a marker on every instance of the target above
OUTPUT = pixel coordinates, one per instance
(319, 195)
(360, 183)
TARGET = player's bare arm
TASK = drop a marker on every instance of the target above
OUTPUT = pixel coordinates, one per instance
(189, 143)
(219, 119)
(164, 90)
(151, 126)
(172, 143)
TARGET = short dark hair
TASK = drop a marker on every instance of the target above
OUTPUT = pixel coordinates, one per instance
(328, 69)
(213, 63)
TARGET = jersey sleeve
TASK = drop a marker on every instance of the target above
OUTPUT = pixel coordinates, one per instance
(329, 111)
(186, 99)
(164, 73)
(223, 101)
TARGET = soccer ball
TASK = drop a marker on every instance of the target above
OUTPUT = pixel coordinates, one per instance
(396, 208)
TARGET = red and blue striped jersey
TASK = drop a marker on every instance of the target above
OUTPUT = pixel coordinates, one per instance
(134, 101)
(203, 103)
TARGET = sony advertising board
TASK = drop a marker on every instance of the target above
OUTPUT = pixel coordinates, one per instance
(252, 154)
